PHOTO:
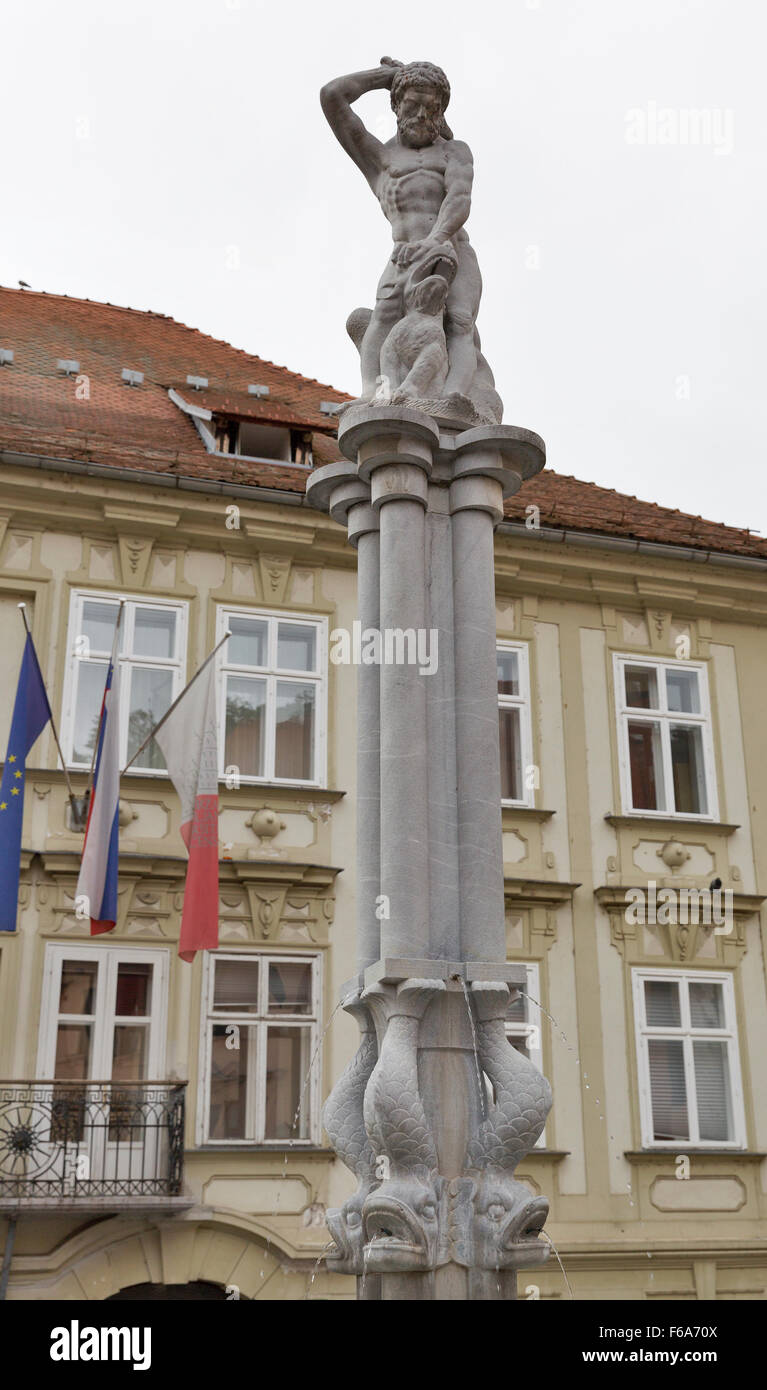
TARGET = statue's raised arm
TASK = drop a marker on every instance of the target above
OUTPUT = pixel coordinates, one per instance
(337, 97)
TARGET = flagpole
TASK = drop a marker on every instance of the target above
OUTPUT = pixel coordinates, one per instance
(169, 711)
(23, 611)
(112, 664)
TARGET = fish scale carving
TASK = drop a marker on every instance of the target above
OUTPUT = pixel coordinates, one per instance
(522, 1095)
(394, 1115)
(343, 1113)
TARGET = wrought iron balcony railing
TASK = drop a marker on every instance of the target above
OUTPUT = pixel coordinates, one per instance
(76, 1140)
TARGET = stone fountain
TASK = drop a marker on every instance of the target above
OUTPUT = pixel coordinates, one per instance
(436, 1109)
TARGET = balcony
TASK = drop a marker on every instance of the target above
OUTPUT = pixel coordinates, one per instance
(92, 1145)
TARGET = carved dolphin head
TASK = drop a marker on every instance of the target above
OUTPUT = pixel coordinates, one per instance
(402, 1225)
(507, 1223)
(347, 1227)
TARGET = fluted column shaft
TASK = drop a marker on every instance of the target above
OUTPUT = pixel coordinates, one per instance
(476, 504)
(399, 491)
(364, 533)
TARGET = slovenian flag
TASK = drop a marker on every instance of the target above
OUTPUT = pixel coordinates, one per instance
(188, 738)
(98, 869)
(31, 713)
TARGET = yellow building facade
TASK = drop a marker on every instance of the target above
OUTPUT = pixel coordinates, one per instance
(172, 1111)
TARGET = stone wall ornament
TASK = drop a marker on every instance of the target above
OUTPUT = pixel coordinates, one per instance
(266, 825)
(126, 814)
(674, 854)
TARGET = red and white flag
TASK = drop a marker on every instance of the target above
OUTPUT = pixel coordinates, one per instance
(189, 741)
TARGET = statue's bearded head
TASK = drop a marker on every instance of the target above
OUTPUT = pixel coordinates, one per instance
(420, 93)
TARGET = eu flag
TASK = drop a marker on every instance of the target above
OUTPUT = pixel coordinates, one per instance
(31, 713)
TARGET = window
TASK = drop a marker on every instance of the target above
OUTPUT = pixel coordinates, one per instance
(152, 665)
(260, 1072)
(102, 1033)
(523, 1026)
(666, 750)
(689, 1071)
(514, 722)
(252, 439)
(273, 706)
(103, 1014)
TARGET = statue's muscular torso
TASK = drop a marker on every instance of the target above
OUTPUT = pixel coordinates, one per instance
(412, 185)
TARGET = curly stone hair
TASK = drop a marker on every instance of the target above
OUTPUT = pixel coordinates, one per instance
(422, 74)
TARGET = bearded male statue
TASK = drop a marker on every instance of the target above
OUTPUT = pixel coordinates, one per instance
(422, 178)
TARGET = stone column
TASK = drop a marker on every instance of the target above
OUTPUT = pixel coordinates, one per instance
(476, 506)
(440, 718)
(363, 523)
(397, 463)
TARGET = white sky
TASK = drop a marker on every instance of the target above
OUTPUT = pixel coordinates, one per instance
(172, 155)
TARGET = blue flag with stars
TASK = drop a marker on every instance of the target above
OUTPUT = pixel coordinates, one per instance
(31, 713)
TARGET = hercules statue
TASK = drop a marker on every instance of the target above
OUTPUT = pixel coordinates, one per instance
(422, 178)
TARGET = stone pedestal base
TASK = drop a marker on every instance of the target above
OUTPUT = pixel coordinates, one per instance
(433, 1115)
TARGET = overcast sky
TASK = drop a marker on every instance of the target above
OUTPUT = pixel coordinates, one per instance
(172, 155)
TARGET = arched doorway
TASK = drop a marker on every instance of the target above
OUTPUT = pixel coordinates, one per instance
(198, 1291)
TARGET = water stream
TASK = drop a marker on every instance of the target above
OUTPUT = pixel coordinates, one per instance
(548, 1239)
(317, 1264)
(480, 1084)
(365, 1258)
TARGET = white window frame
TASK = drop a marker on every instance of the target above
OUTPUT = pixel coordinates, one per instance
(728, 1034)
(177, 666)
(664, 717)
(522, 703)
(108, 958)
(271, 673)
(530, 1031)
(260, 1021)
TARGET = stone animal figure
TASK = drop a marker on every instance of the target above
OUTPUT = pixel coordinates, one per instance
(344, 1122)
(414, 356)
(404, 1217)
(507, 1220)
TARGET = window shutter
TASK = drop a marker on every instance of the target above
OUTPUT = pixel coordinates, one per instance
(661, 999)
(667, 1086)
(712, 1089)
(236, 986)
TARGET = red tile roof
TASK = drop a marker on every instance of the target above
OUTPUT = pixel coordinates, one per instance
(140, 427)
(569, 504)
